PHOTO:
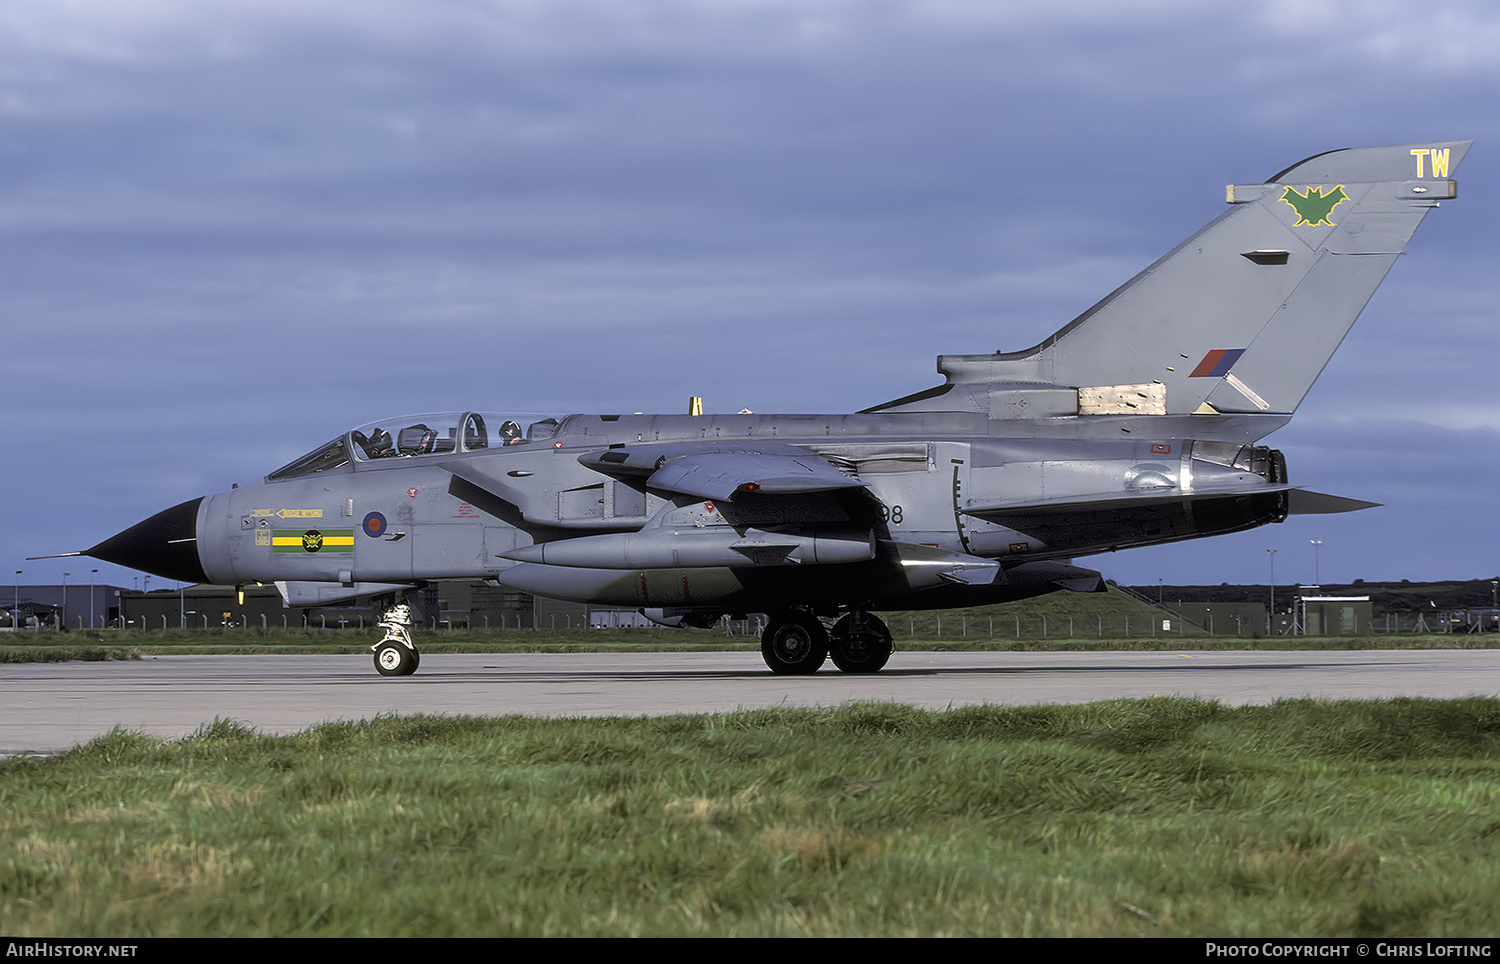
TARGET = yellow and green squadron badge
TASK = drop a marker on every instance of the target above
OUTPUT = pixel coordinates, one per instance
(1314, 207)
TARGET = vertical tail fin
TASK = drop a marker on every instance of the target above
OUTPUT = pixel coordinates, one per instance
(1240, 317)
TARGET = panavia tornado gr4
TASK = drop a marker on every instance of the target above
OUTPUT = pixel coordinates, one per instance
(1135, 424)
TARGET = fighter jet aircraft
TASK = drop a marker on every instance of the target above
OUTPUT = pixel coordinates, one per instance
(1134, 425)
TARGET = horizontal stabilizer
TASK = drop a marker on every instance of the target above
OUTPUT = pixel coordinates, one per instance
(1107, 501)
(1317, 503)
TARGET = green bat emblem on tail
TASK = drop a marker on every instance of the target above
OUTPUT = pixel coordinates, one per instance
(1314, 206)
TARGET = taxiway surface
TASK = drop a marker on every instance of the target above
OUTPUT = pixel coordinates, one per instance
(48, 707)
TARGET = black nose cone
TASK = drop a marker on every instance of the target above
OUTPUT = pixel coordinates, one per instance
(164, 545)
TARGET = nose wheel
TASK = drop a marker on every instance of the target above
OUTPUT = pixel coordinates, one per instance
(395, 655)
(395, 659)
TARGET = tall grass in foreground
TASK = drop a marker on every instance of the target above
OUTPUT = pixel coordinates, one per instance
(1155, 817)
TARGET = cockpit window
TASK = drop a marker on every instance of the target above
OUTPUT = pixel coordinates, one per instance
(320, 459)
(541, 430)
(475, 436)
(416, 435)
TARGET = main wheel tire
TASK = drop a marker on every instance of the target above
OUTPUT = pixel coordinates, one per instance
(394, 659)
(795, 645)
(860, 646)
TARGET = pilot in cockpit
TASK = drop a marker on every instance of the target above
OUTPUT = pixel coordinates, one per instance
(380, 446)
(376, 446)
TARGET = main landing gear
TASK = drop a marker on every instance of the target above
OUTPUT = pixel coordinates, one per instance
(795, 643)
(395, 655)
(860, 643)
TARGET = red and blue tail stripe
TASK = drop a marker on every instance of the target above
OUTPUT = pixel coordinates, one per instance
(1216, 364)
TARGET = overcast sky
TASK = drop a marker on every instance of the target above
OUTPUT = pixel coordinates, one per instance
(231, 230)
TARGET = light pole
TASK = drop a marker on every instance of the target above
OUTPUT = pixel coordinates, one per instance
(63, 622)
(1316, 544)
(92, 574)
(18, 599)
(1271, 613)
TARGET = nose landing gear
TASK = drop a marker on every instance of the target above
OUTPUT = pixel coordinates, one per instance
(395, 655)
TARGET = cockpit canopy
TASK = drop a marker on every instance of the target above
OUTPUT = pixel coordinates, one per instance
(413, 436)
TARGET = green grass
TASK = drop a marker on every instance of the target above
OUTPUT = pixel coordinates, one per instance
(43, 649)
(134, 644)
(1158, 817)
(1112, 620)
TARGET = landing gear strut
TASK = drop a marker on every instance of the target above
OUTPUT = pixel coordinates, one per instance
(395, 655)
(795, 643)
(860, 643)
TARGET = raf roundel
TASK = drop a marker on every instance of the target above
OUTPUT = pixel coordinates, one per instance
(374, 525)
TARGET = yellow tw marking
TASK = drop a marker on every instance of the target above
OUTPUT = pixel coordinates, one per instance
(1439, 160)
